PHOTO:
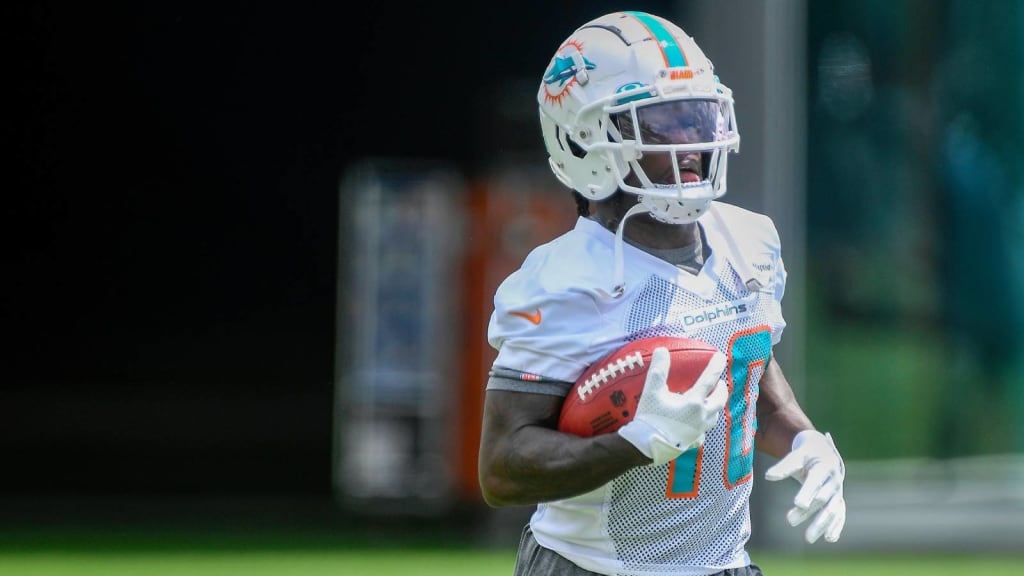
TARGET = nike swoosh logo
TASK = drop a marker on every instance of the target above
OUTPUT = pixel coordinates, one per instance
(534, 318)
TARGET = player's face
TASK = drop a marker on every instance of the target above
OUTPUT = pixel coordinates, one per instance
(678, 122)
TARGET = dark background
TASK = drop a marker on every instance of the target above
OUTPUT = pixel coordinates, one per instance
(169, 296)
(171, 240)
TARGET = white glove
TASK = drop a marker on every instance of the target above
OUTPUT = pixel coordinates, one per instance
(667, 423)
(817, 465)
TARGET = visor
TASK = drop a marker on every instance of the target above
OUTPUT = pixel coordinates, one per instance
(674, 122)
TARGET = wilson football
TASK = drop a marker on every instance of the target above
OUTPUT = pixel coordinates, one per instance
(605, 396)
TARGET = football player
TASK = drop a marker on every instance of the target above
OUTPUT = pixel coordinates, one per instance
(639, 127)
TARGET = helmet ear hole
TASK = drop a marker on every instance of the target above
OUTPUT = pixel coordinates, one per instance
(564, 141)
(575, 149)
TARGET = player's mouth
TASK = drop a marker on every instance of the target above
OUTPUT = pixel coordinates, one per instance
(689, 172)
(686, 178)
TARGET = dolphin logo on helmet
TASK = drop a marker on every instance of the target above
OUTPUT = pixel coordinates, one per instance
(563, 69)
(568, 67)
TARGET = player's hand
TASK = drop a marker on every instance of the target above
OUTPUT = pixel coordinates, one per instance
(667, 423)
(816, 464)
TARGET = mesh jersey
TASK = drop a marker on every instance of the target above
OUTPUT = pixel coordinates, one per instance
(690, 516)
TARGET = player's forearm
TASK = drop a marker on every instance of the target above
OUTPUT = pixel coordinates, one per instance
(539, 464)
(776, 430)
(779, 415)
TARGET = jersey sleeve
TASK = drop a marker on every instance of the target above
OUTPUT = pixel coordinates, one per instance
(515, 381)
(544, 333)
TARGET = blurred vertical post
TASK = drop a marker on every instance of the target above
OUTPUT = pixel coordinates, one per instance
(758, 49)
(398, 332)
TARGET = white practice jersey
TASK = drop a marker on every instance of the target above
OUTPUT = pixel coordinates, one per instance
(555, 316)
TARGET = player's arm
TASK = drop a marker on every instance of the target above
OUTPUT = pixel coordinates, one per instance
(779, 416)
(524, 460)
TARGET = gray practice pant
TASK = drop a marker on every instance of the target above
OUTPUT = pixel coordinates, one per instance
(536, 560)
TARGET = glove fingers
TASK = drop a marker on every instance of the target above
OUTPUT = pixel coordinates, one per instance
(715, 402)
(836, 527)
(704, 411)
(823, 495)
(796, 516)
(789, 465)
(815, 530)
(711, 396)
(831, 516)
(711, 376)
(657, 374)
(816, 489)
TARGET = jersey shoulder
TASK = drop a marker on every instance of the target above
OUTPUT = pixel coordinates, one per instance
(570, 262)
(752, 245)
(546, 314)
(748, 227)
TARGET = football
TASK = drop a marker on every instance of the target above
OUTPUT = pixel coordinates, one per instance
(605, 396)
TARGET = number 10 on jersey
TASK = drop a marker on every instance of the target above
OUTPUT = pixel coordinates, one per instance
(748, 353)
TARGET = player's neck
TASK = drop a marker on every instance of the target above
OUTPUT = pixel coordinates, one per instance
(646, 231)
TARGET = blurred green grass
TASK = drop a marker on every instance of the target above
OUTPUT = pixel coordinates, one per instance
(400, 561)
(406, 547)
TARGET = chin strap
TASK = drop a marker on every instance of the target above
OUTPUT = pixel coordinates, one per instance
(619, 287)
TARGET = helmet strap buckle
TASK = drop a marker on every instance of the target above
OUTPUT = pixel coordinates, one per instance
(581, 68)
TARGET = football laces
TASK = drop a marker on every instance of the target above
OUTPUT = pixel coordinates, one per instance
(616, 367)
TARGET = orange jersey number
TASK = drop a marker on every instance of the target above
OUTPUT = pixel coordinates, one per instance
(748, 355)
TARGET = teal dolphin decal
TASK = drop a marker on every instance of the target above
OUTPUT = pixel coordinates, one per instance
(562, 69)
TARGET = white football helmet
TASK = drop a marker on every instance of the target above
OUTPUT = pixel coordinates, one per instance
(632, 69)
